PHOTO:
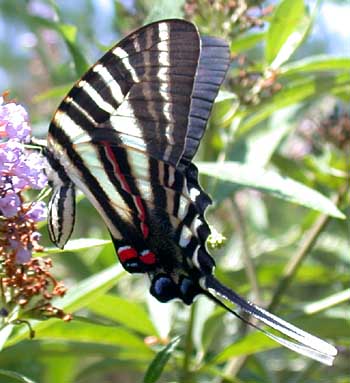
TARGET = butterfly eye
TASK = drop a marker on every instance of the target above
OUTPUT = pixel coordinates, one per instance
(164, 289)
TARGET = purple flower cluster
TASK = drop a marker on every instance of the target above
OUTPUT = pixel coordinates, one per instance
(20, 170)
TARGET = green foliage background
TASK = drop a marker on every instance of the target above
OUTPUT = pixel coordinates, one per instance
(280, 198)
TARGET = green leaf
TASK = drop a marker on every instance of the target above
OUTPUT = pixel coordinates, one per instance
(314, 64)
(293, 93)
(258, 146)
(243, 43)
(5, 333)
(92, 333)
(77, 297)
(90, 288)
(326, 326)
(251, 344)
(56, 92)
(130, 314)
(256, 342)
(165, 9)
(107, 366)
(76, 245)
(326, 303)
(288, 27)
(272, 183)
(61, 347)
(156, 368)
(225, 107)
(58, 369)
(16, 376)
(69, 32)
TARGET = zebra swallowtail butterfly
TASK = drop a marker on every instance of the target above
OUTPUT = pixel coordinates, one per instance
(125, 135)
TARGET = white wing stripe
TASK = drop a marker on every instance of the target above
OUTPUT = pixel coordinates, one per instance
(110, 82)
(123, 55)
(70, 100)
(77, 134)
(95, 96)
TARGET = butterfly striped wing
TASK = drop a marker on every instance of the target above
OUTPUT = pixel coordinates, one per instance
(148, 98)
(125, 135)
(212, 66)
(138, 94)
(176, 230)
(62, 203)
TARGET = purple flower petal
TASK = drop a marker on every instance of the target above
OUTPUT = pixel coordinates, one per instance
(37, 211)
(15, 120)
(24, 167)
(23, 255)
(9, 205)
(35, 174)
(10, 156)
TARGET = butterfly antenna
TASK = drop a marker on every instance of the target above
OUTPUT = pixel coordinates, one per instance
(303, 343)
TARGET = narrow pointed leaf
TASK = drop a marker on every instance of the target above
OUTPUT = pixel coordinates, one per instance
(92, 333)
(241, 44)
(271, 183)
(288, 28)
(16, 376)
(159, 362)
(131, 314)
(326, 303)
(315, 64)
(68, 32)
(76, 245)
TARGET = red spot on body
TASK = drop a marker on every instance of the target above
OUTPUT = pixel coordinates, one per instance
(126, 252)
(148, 257)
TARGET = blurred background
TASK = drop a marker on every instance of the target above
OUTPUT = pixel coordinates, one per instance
(275, 160)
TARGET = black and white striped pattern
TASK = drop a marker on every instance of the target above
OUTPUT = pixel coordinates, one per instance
(125, 135)
(62, 203)
(136, 110)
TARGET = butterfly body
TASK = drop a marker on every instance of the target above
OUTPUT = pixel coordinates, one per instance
(125, 135)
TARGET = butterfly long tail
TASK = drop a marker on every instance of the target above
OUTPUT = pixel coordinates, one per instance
(303, 343)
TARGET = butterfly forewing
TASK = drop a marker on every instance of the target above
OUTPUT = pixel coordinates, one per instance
(137, 104)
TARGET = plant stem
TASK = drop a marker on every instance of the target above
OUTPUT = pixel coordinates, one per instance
(295, 262)
(186, 373)
(246, 253)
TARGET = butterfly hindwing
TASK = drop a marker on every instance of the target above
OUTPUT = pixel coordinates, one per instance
(212, 67)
